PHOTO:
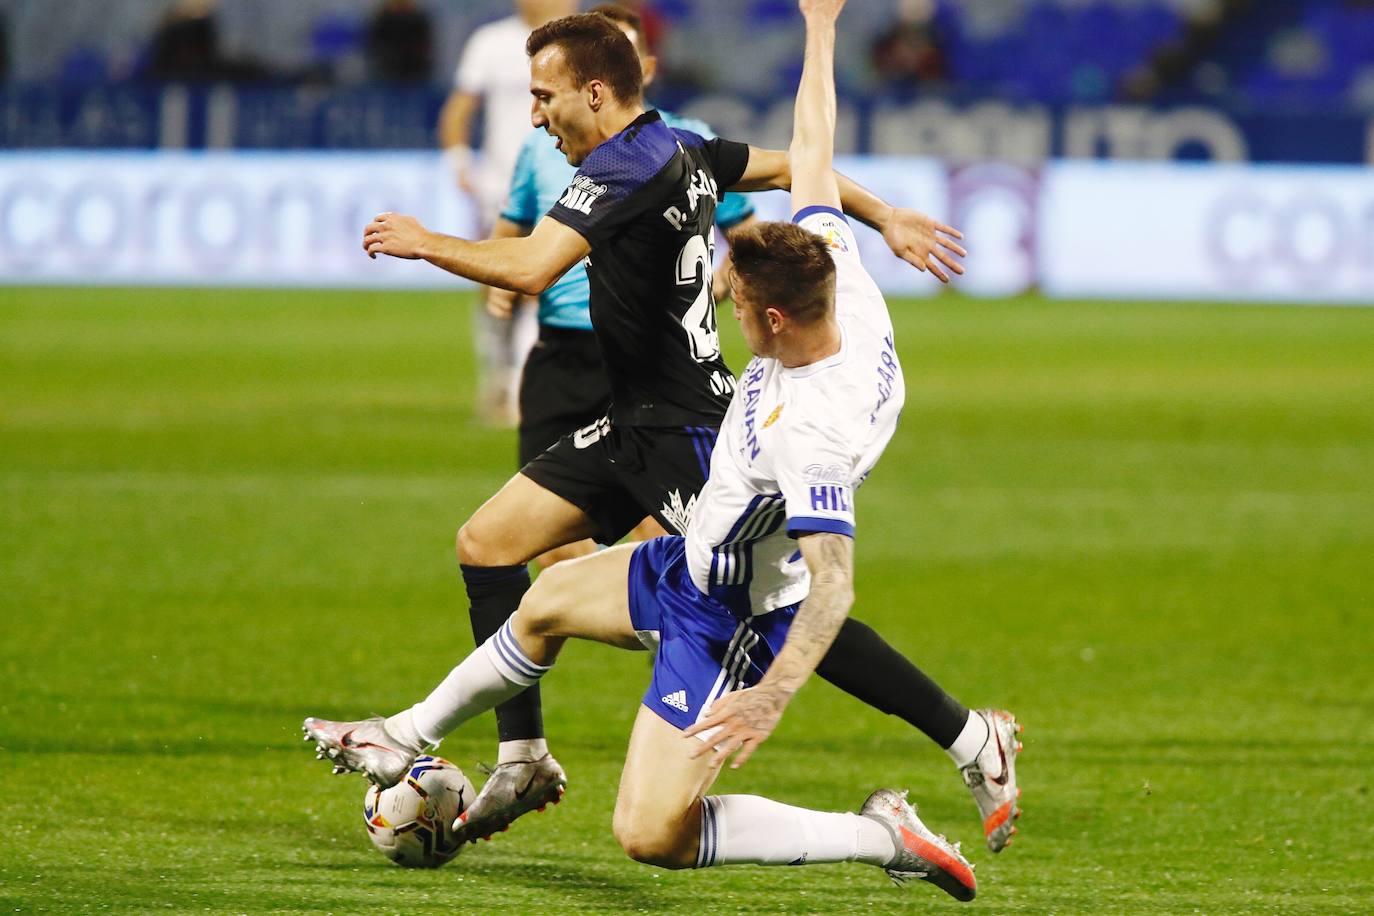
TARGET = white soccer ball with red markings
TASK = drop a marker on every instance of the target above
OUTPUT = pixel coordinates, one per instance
(411, 823)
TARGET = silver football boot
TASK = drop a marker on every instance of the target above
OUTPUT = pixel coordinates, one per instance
(361, 747)
(920, 853)
(512, 789)
(991, 777)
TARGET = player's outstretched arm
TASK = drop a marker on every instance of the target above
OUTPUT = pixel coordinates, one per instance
(747, 717)
(923, 242)
(812, 153)
(527, 265)
(501, 302)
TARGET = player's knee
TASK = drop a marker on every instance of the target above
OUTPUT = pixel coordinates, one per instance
(652, 844)
(542, 609)
(474, 545)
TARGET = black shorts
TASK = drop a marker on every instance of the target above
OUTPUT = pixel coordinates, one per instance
(563, 388)
(620, 474)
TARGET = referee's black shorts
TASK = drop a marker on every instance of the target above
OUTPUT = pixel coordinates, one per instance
(563, 388)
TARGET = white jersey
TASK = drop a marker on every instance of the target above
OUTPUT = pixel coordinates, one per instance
(494, 66)
(795, 445)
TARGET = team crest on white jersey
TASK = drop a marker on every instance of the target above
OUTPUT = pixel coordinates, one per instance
(678, 514)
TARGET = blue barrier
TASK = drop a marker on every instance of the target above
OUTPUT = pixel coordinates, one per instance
(373, 117)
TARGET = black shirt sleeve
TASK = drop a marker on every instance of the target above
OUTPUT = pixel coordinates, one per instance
(728, 161)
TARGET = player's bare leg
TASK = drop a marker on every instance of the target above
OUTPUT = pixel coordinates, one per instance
(583, 598)
(521, 521)
(566, 552)
(658, 811)
(663, 817)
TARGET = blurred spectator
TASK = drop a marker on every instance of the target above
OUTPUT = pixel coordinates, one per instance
(494, 75)
(185, 48)
(911, 50)
(400, 42)
(652, 24)
(4, 50)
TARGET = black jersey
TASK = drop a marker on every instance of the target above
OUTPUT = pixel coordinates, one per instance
(645, 200)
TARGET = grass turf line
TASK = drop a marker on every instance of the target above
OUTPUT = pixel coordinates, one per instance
(1146, 528)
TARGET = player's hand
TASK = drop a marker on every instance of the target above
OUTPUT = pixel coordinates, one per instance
(395, 234)
(923, 243)
(501, 302)
(467, 181)
(745, 718)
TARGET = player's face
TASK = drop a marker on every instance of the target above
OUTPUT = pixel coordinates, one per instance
(560, 106)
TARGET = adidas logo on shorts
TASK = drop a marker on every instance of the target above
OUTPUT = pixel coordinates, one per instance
(677, 699)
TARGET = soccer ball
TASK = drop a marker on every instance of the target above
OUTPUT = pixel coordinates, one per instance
(411, 823)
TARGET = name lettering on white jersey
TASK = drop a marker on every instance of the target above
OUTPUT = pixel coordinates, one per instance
(753, 375)
(887, 373)
(831, 498)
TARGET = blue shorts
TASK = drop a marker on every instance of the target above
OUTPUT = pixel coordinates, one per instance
(704, 650)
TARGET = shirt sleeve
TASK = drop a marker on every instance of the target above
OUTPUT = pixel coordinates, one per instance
(728, 161)
(522, 200)
(815, 475)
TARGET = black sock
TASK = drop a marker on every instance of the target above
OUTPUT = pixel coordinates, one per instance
(494, 593)
(862, 664)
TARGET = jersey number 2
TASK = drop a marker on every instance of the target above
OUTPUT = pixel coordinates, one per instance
(699, 321)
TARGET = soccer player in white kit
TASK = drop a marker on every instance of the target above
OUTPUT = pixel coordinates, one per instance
(493, 75)
(742, 608)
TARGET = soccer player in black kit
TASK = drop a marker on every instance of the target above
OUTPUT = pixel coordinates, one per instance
(640, 212)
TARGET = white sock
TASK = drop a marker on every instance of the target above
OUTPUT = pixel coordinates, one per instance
(522, 750)
(495, 671)
(747, 829)
(402, 727)
(965, 748)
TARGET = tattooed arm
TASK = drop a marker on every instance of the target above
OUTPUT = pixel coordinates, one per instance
(747, 717)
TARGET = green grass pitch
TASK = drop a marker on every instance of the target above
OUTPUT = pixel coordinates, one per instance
(1148, 529)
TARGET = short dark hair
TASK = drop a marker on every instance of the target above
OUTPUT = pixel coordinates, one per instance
(595, 49)
(626, 19)
(783, 266)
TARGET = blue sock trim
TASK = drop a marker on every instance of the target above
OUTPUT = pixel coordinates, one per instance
(515, 659)
(710, 835)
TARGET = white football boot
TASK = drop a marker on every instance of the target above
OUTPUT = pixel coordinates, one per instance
(362, 747)
(991, 777)
(920, 853)
(512, 789)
